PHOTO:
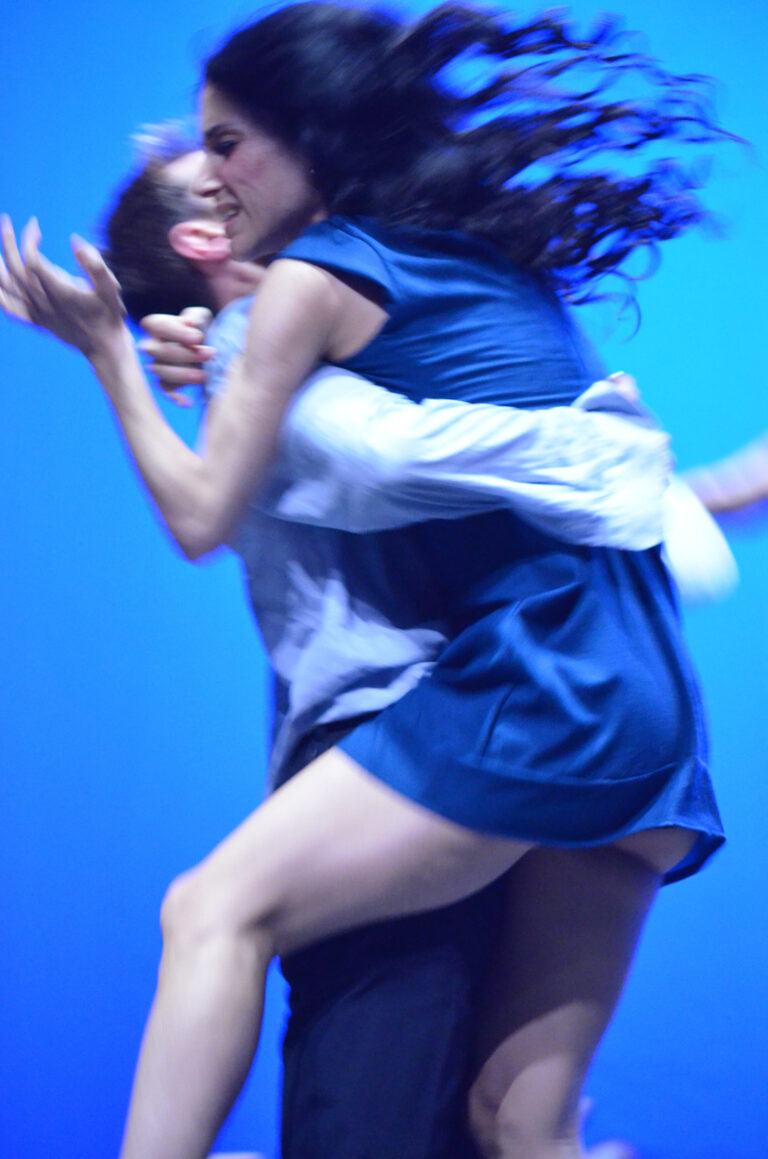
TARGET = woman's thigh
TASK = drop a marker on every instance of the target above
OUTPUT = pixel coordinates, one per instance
(336, 848)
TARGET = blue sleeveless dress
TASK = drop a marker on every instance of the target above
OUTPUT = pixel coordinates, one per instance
(565, 710)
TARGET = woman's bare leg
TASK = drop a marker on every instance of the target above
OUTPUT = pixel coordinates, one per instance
(573, 923)
(333, 849)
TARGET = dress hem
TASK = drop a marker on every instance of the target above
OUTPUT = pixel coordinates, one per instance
(561, 813)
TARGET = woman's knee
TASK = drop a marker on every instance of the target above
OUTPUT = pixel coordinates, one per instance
(198, 908)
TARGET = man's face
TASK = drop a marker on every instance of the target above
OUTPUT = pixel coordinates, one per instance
(185, 172)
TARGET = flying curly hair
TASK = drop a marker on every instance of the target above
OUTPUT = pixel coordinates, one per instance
(464, 120)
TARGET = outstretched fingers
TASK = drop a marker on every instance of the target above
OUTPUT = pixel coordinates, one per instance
(103, 280)
(32, 284)
(13, 297)
(12, 302)
(11, 254)
(34, 264)
(86, 313)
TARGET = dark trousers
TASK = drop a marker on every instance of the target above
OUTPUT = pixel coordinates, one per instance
(378, 1051)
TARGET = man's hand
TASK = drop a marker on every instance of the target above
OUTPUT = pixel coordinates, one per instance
(625, 385)
(175, 346)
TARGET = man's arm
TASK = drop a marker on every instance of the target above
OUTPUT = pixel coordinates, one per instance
(356, 457)
(359, 458)
(363, 459)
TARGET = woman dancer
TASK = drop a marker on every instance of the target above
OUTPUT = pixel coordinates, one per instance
(561, 729)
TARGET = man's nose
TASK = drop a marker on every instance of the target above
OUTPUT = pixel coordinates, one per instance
(206, 184)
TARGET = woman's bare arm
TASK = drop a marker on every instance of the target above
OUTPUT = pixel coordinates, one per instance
(200, 493)
(301, 314)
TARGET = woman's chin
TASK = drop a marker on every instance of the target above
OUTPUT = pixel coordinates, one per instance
(240, 249)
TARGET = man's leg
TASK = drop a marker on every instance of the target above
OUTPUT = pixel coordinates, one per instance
(379, 1051)
(379, 1046)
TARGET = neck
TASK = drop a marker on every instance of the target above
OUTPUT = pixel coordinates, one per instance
(233, 280)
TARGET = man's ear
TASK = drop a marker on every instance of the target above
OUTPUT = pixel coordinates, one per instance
(200, 241)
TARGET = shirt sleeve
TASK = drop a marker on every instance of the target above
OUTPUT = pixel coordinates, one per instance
(359, 458)
(227, 334)
(695, 549)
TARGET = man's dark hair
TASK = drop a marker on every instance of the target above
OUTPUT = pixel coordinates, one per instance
(154, 279)
(544, 155)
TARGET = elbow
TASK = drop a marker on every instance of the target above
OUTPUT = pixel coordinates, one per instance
(197, 538)
(200, 520)
(193, 552)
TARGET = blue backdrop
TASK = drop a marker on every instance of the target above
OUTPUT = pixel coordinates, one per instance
(134, 699)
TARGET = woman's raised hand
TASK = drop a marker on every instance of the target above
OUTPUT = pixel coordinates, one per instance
(83, 313)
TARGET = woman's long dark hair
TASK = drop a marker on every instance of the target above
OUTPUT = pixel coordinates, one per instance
(392, 128)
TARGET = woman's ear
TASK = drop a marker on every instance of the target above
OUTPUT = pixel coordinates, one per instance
(200, 241)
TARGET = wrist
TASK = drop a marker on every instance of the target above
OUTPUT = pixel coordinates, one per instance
(111, 355)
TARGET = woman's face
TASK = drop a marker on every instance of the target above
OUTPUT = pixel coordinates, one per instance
(259, 189)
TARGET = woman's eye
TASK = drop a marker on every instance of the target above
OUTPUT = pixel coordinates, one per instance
(224, 147)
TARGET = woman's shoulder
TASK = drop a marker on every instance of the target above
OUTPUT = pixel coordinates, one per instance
(341, 231)
(402, 258)
(336, 230)
(340, 235)
(352, 248)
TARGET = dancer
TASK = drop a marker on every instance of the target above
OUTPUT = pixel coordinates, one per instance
(378, 1002)
(442, 791)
